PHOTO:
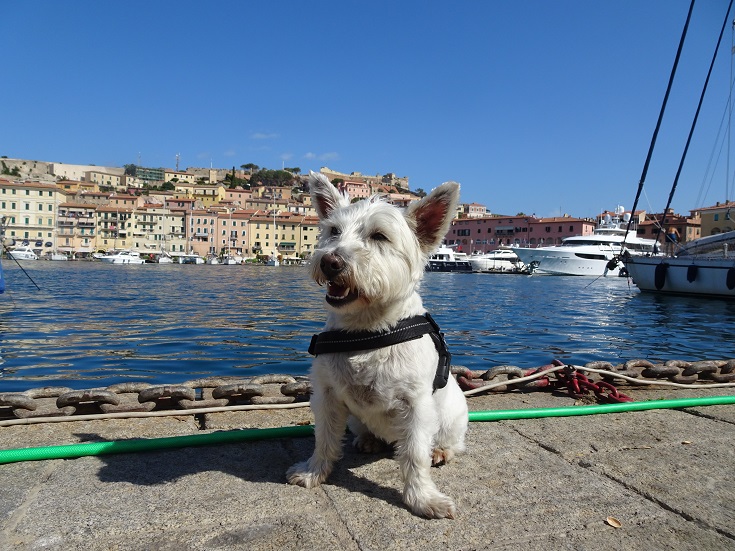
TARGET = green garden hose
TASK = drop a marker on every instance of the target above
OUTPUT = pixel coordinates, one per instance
(227, 437)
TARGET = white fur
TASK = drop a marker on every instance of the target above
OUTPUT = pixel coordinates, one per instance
(384, 393)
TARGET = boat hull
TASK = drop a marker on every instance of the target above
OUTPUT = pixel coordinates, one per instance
(123, 257)
(448, 266)
(568, 262)
(190, 259)
(22, 254)
(498, 261)
(707, 277)
(123, 260)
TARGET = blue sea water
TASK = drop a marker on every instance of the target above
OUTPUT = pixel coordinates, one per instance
(93, 324)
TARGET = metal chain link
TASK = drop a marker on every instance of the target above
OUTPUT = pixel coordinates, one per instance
(284, 389)
(141, 396)
(578, 384)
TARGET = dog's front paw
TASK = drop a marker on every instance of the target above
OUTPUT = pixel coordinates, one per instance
(301, 474)
(431, 504)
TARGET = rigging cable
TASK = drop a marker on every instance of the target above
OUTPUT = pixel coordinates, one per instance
(696, 117)
(658, 122)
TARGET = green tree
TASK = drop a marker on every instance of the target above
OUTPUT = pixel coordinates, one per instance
(250, 167)
(271, 177)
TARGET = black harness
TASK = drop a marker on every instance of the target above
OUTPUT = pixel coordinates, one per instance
(407, 329)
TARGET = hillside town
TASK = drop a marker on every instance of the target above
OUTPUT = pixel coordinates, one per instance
(77, 210)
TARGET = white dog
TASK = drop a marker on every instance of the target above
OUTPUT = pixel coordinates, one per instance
(371, 257)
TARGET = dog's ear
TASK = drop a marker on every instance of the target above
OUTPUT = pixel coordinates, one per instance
(324, 196)
(433, 214)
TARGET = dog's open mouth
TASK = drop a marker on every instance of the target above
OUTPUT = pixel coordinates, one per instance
(339, 295)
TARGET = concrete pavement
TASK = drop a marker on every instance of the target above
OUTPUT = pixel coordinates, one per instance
(666, 475)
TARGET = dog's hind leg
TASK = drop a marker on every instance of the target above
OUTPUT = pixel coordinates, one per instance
(452, 408)
(414, 455)
(330, 417)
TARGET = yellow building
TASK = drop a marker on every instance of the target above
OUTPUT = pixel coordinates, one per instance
(76, 229)
(205, 195)
(115, 180)
(719, 218)
(30, 212)
(179, 177)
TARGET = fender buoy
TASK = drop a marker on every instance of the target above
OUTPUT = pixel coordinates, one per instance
(692, 273)
(659, 278)
(730, 281)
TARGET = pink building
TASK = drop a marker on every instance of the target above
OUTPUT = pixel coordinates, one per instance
(551, 231)
(491, 232)
(201, 232)
(488, 233)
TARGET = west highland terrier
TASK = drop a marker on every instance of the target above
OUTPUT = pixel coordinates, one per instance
(381, 366)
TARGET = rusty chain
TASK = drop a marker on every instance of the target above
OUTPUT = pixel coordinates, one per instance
(580, 385)
(284, 389)
(141, 397)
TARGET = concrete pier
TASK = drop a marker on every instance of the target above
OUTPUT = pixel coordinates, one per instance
(556, 483)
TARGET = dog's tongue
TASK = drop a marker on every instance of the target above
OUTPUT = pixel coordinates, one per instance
(337, 291)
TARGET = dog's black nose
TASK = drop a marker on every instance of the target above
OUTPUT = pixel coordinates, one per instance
(332, 265)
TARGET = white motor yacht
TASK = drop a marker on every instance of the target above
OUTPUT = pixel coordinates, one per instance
(22, 252)
(123, 256)
(500, 260)
(589, 254)
(446, 259)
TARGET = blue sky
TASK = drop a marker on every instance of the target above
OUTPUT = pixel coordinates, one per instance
(536, 106)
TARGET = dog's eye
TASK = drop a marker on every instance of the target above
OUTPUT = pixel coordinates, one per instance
(335, 231)
(377, 236)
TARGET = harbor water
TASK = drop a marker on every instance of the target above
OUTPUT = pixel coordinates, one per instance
(92, 324)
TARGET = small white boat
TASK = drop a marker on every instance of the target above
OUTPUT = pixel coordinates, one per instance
(22, 252)
(124, 256)
(446, 259)
(703, 267)
(165, 258)
(229, 260)
(213, 260)
(58, 256)
(190, 259)
(272, 261)
(500, 260)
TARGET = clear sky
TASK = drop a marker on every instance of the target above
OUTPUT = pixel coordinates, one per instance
(543, 107)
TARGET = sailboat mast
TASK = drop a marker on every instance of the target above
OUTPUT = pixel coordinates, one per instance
(729, 114)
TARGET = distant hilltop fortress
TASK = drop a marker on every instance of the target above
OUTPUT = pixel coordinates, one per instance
(51, 172)
(389, 179)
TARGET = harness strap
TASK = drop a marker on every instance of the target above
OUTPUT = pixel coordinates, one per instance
(407, 329)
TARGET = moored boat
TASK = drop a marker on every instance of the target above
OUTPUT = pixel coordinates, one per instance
(703, 267)
(500, 260)
(590, 255)
(124, 256)
(22, 252)
(190, 259)
(446, 259)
